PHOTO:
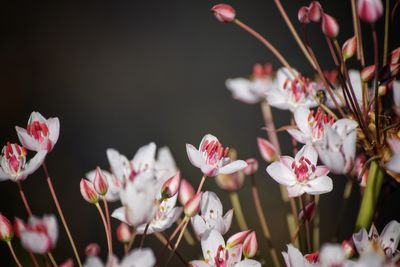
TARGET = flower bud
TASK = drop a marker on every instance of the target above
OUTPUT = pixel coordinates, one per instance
(171, 186)
(315, 11)
(186, 192)
(192, 207)
(303, 15)
(309, 212)
(68, 263)
(6, 229)
(237, 239)
(93, 249)
(230, 182)
(349, 48)
(224, 13)
(329, 26)
(252, 167)
(348, 248)
(100, 182)
(250, 245)
(124, 233)
(368, 73)
(267, 150)
(395, 56)
(369, 10)
(88, 192)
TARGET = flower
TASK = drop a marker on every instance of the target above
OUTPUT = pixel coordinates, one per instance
(211, 157)
(267, 150)
(216, 253)
(88, 192)
(100, 182)
(14, 165)
(143, 257)
(192, 206)
(349, 48)
(114, 185)
(315, 11)
(369, 10)
(38, 235)
(40, 133)
(233, 181)
(294, 258)
(386, 242)
(124, 233)
(6, 229)
(224, 13)
(303, 15)
(329, 26)
(186, 192)
(250, 245)
(252, 166)
(337, 148)
(252, 91)
(211, 215)
(301, 175)
(171, 186)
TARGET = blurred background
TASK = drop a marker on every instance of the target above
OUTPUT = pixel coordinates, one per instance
(120, 74)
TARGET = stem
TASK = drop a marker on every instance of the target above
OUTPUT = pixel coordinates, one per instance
(235, 200)
(203, 179)
(370, 197)
(33, 258)
(61, 214)
(131, 241)
(126, 249)
(144, 235)
(307, 223)
(188, 237)
(346, 194)
(263, 221)
(376, 100)
(52, 260)
(164, 240)
(357, 32)
(177, 242)
(386, 38)
(13, 254)
(105, 228)
(108, 219)
(23, 197)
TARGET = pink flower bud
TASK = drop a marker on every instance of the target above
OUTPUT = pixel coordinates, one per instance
(267, 150)
(368, 73)
(369, 10)
(186, 192)
(192, 207)
(349, 48)
(6, 229)
(329, 26)
(124, 233)
(395, 56)
(315, 11)
(171, 186)
(93, 249)
(309, 212)
(68, 263)
(348, 248)
(303, 15)
(100, 182)
(224, 13)
(237, 239)
(88, 192)
(252, 167)
(250, 245)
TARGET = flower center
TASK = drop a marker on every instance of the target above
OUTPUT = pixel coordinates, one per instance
(303, 169)
(38, 130)
(15, 156)
(296, 89)
(214, 151)
(317, 123)
(221, 257)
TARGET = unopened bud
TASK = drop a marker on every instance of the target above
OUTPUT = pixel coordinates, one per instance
(192, 207)
(250, 245)
(395, 56)
(186, 192)
(124, 233)
(100, 182)
(267, 150)
(303, 15)
(237, 239)
(329, 26)
(349, 48)
(6, 229)
(252, 167)
(315, 11)
(68, 263)
(368, 73)
(88, 192)
(369, 10)
(224, 13)
(171, 186)
(91, 250)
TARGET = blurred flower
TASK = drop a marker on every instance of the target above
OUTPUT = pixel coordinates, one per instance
(303, 15)
(315, 11)
(211, 157)
(124, 233)
(186, 192)
(13, 163)
(192, 207)
(211, 215)
(224, 13)
(38, 235)
(40, 133)
(93, 249)
(252, 166)
(143, 257)
(294, 258)
(100, 182)
(332, 255)
(369, 10)
(114, 185)
(329, 26)
(301, 175)
(368, 73)
(267, 150)
(237, 239)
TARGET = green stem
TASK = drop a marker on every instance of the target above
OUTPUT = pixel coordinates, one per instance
(237, 210)
(370, 197)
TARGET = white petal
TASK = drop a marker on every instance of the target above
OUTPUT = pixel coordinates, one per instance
(139, 258)
(195, 156)
(54, 130)
(34, 163)
(394, 144)
(35, 242)
(248, 263)
(211, 206)
(319, 185)
(210, 243)
(332, 255)
(309, 152)
(228, 220)
(280, 173)
(52, 228)
(396, 93)
(27, 141)
(144, 157)
(233, 166)
(394, 163)
(390, 236)
(321, 170)
(4, 176)
(301, 115)
(361, 241)
(299, 136)
(295, 190)
(119, 164)
(241, 89)
(198, 263)
(355, 79)
(93, 261)
(209, 138)
(199, 225)
(119, 214)
(295, 256)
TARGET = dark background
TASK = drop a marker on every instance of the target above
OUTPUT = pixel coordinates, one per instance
(123, 73)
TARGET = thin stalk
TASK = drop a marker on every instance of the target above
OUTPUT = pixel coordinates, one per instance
(203, 179)
(188, 237)
(61, 214)
(164, 240)
(52, 260)
(103, 218)
(131, 241)
(263, 221)
(238, 211)
(13, 254)
(33, 258)
(307, 224)
(144, 235)
(386, 37)
(108, 219)
(126, 249)
(178, 241)
(377, 98)
(23, 198)
(357, 33)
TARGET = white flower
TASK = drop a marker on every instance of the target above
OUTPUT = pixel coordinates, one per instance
(211, 215)
(301, 175)
(294, 258)
(337, 149)
(211, 157)
(40, 133)
(114, 185)
(216, 253)
(289, 93)
(13, 163)
(136, 258)
(394, 163)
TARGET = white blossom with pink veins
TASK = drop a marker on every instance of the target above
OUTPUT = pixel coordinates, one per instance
(212, 158)
(13, 163)
(143, 257)
(211, 215)
(38, 235)
(394, 163)
(289, 93)
(301, 175)
(216, 253)
(40, 133)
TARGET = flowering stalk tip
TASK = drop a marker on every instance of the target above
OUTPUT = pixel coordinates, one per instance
(100, 182)
(6, 229)
(224, 12)
(329, 26)
(250, 245)
(88, 192)
(171, 186)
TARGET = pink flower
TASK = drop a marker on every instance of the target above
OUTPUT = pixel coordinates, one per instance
(124, 233)
(192, 207)
(369, 10)
(38, 235)
(171, 186)
(250, 245)
(14, 165)
(349, 48)
(315, 11)
(212, 158)
(224, 13)
(303, 15)
(329, 26)
(186, 192)
(40, 133)
(100, 182)
(301, 175)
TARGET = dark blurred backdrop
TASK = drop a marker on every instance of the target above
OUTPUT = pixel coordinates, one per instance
(123, 73)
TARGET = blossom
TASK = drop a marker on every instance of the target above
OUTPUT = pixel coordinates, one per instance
(369, 10)
(294, 258)
(329, 26)
(289, 92)
(211, 215)
(301, 175)
(337, 148)
(14, 165)
(143, 257)
(216, 253)
(39, 235)
(40, 133)
(267, 150)
(114, 185)
(211, 157)
(224, 13)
